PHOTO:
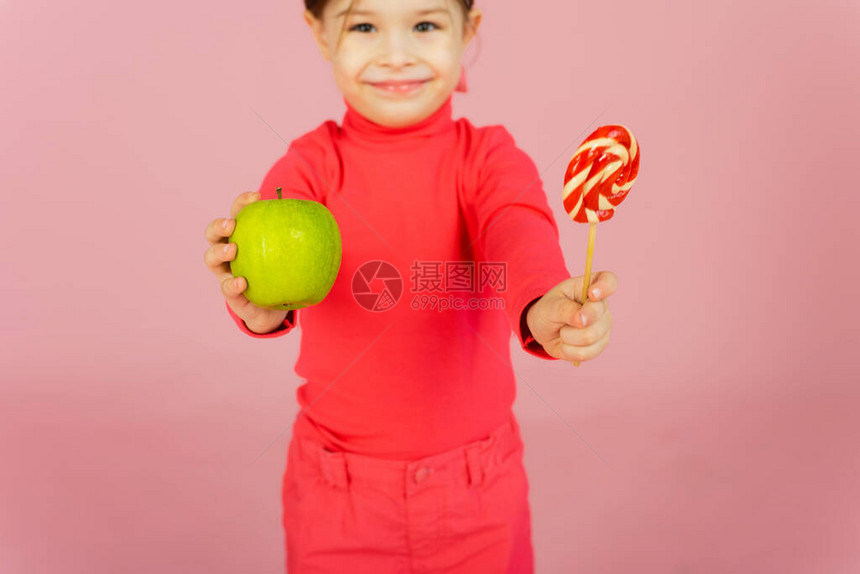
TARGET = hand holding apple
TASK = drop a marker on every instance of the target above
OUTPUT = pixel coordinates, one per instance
(288, 250)
(217, 258)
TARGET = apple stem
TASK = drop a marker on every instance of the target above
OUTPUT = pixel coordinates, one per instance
(278, 190)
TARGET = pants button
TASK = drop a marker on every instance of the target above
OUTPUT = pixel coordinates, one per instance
(422, 473)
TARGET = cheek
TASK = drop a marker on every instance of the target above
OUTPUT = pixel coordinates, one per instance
(345, 70)
(452, 70)
(453, 57)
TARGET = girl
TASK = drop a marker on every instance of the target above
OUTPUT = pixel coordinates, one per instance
(406, 456)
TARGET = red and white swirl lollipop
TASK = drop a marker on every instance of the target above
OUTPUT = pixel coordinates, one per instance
(598, 178)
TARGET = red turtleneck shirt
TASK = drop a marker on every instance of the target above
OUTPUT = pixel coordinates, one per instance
(433, 200)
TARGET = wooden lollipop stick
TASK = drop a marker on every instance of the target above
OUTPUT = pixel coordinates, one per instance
(592, 231)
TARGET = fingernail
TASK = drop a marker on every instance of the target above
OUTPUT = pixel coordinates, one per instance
(583, 319)
(595, 292)
(225, 224)
(237, 283)
(226, 248)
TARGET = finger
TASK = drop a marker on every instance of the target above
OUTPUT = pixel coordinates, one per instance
(232, 287)
(566, 311)
(579, 337)
(584, 353)
(592, 312)
(217, 256)
(242, 200)
(603, 284)
(219, 230)
(572, 288)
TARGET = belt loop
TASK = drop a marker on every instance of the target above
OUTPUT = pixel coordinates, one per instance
(473, 462)
(333, 467)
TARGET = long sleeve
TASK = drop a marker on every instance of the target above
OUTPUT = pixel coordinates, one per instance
(407, 195)
(510, 221)
(300, 174)
(289, 322)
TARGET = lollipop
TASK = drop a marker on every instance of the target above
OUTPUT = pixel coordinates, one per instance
(598, 178)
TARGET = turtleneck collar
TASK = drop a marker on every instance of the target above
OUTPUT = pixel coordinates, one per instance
(356, 125)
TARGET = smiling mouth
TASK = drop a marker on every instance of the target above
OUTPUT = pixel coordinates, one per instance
(400, 87)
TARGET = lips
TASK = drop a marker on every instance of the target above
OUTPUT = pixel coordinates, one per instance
(398, 82)
(399, 85)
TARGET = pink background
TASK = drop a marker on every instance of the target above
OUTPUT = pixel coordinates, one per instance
(141, 432)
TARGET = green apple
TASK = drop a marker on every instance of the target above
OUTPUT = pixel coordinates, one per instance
(288, 250)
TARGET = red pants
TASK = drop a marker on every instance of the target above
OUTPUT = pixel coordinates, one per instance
(462, 511)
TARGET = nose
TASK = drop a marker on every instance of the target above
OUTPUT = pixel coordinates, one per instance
(397, 50)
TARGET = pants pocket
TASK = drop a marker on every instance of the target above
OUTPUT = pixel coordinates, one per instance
(491, 522)
(301, 478)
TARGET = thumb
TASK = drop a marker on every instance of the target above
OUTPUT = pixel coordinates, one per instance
(566, 308)
(572, 288)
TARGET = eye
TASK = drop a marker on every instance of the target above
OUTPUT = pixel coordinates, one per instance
(421, 24)
(361, 27)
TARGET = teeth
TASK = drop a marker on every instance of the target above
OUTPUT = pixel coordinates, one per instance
(401, 88)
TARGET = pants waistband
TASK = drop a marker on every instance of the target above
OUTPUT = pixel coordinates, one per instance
(470, 462)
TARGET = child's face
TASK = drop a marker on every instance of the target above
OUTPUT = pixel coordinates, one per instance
(390, 41)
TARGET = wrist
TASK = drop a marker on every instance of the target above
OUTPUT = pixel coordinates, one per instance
(267, 324)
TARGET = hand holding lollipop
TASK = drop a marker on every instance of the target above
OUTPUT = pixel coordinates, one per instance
(598, 178)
